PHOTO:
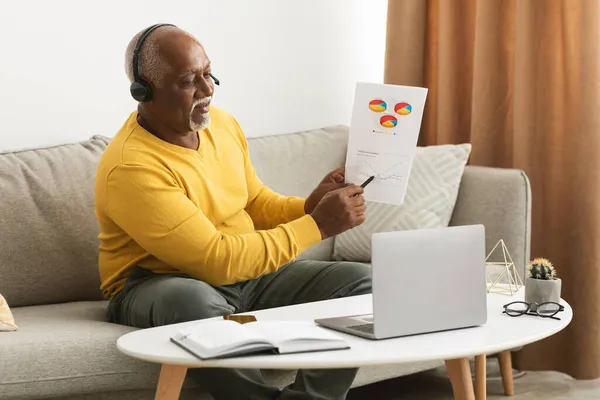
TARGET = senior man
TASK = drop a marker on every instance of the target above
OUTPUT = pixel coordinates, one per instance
(187, 229)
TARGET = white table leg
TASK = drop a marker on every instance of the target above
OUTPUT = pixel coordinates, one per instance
(170, 382)
(459, 372)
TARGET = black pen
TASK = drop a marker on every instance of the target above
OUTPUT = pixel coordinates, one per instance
(365, 183)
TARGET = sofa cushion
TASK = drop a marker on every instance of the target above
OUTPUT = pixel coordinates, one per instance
(67, 348)
(293, 165)
(48, 231)
(500, 199)
(431, 195)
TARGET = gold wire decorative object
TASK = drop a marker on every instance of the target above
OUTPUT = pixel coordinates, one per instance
(512, 282)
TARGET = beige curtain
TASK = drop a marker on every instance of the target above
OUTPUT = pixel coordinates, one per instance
(519, 79)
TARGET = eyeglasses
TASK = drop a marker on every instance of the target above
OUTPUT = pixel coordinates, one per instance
(546, 310)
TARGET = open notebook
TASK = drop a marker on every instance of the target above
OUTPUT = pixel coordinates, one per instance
(223, 338)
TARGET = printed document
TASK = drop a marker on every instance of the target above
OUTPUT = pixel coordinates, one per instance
(386, 120)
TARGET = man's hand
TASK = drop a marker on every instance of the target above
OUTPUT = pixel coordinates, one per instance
(332, 181)
(340, 210)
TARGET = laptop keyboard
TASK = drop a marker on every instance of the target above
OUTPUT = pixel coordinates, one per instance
(366, 328)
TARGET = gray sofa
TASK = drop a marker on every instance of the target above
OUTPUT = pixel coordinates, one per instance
(65, 349)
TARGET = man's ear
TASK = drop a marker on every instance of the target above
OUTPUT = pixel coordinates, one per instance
(151, 86)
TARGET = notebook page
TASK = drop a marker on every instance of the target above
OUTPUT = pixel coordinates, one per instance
(221, 334)
(285, 331)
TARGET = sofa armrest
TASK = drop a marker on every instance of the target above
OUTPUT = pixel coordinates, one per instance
(500, 199)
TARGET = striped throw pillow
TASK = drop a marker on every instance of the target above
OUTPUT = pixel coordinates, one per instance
(429, 202)
(7, 321)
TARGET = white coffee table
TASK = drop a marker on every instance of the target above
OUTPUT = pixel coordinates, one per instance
(500, 334)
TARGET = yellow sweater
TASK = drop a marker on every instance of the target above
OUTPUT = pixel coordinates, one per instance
(201, 212)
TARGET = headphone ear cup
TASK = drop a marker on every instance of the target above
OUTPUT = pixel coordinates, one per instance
(141, 91)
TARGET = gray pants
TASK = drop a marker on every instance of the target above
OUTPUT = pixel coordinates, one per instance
(150, 300)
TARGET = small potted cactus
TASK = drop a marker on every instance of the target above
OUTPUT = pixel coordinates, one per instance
(541, 283)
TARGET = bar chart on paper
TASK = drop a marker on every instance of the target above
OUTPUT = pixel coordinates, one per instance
(387, 168)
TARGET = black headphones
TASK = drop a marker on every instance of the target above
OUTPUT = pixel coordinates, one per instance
(140, 89)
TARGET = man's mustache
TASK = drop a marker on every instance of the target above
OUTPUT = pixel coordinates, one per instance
(201, 102)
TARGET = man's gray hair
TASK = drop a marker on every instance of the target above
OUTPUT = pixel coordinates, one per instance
(150, 64)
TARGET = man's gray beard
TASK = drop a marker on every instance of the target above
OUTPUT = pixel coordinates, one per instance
(196, 127)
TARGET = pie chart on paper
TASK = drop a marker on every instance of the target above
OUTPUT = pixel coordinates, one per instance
(377, 105)
(403, 108)
(388, 121)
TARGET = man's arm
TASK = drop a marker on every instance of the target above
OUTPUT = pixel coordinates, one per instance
(267, 208)
(156, 213)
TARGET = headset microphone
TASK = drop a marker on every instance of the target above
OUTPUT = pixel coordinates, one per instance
(140, 89)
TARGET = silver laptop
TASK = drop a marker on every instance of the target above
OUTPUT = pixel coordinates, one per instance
(424, 280)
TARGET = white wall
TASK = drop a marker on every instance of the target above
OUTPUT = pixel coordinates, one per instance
(284, 65)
